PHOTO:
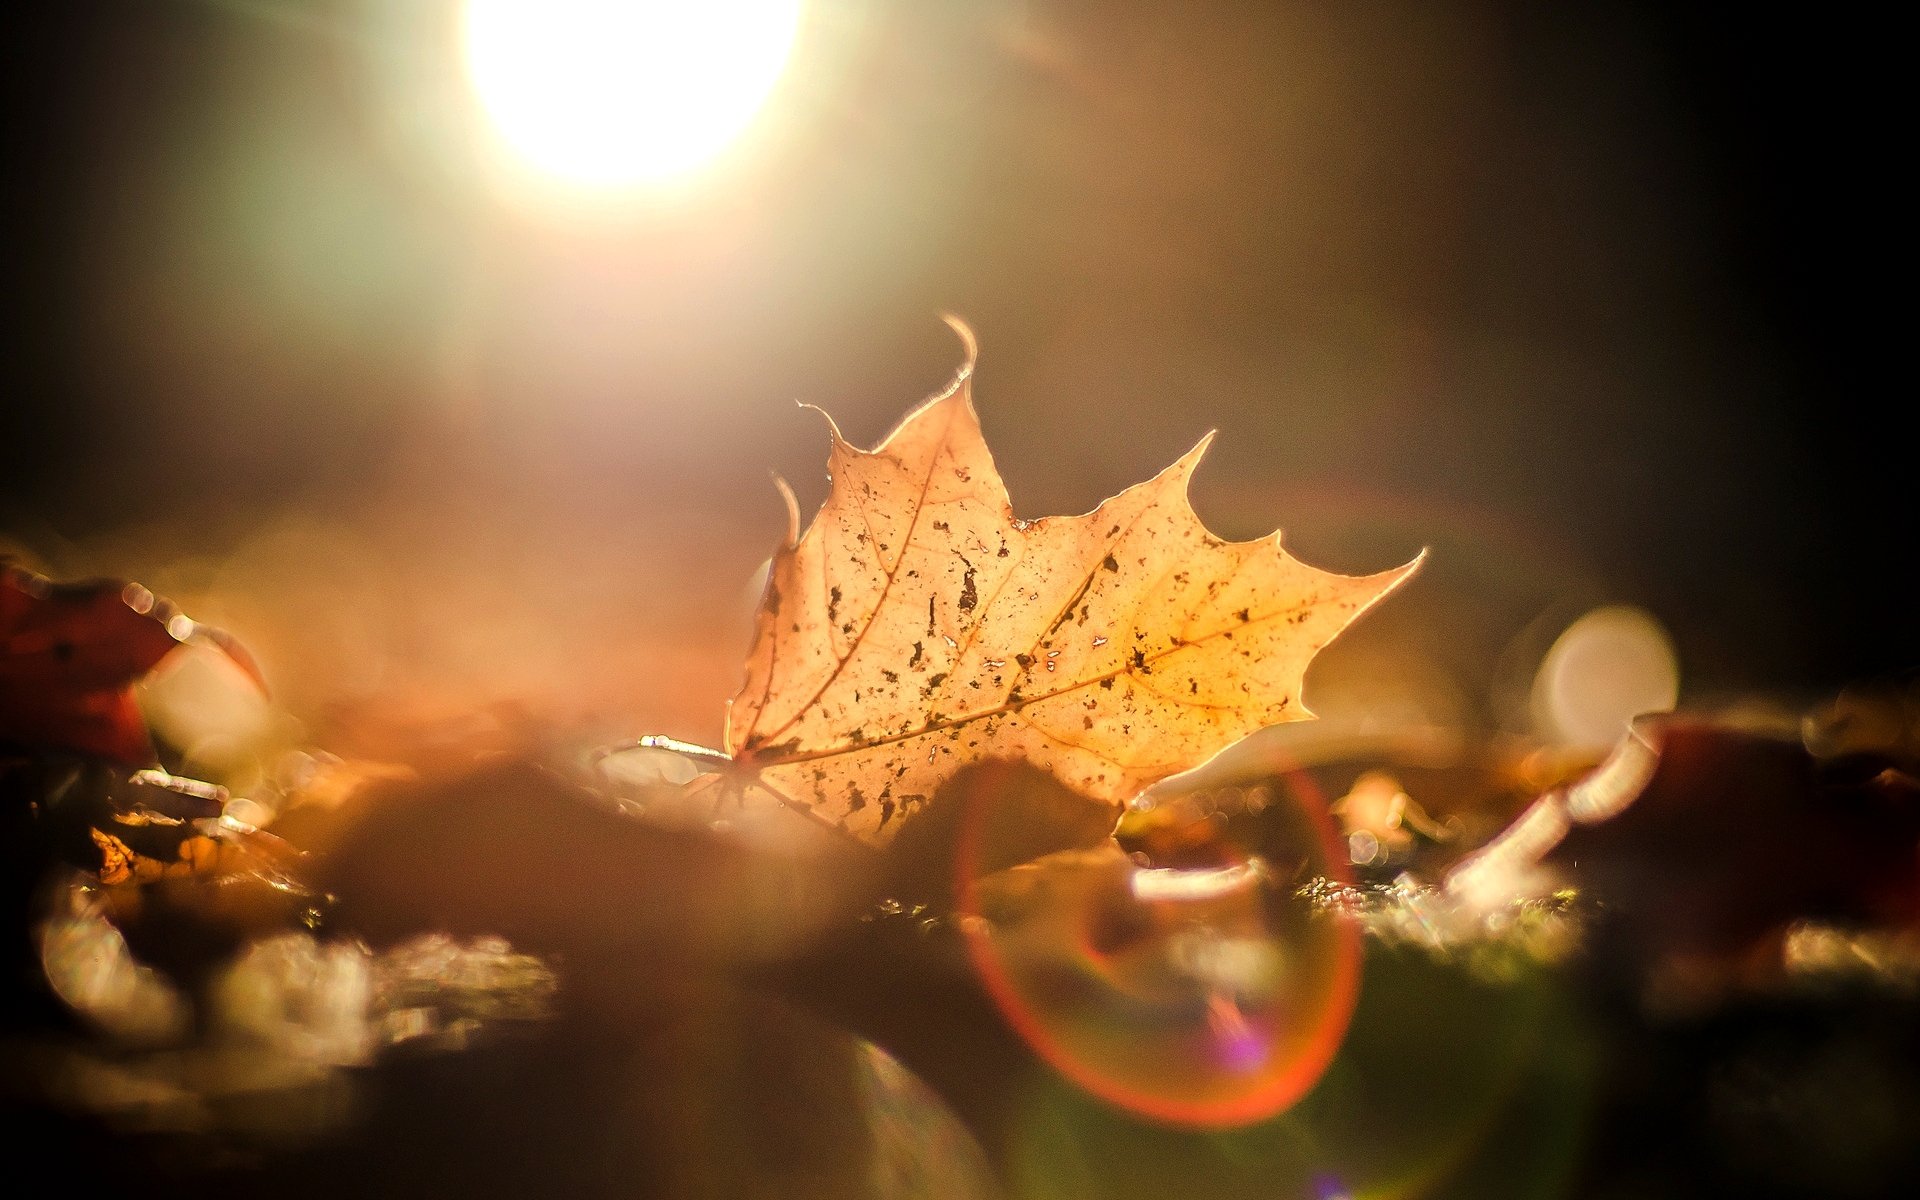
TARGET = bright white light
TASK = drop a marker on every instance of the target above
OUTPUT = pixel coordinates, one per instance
(603, 93)
(1610, 666)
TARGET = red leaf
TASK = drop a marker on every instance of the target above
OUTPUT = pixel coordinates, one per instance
(71, 653)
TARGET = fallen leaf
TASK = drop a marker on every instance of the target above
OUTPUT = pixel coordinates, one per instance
(918, 626)
(70, 654)
(1704, 846)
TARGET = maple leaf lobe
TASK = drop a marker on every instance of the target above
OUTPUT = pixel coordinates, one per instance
(917, 626)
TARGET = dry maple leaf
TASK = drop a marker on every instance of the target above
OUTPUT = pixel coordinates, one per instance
(919, 626)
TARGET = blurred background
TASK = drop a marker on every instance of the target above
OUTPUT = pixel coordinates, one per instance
(309, 332)
(441, 351)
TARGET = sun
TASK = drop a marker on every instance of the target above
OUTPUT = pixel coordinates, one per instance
(600, 93)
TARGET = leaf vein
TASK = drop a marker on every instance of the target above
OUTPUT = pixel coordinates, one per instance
(886, 588)
(1015, 707)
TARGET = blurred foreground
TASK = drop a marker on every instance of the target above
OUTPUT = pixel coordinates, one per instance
(1566, 298)
(1390, 964)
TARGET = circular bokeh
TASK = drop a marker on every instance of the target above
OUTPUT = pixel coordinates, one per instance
(1197, 988)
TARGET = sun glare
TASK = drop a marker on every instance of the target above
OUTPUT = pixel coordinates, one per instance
(600, 93)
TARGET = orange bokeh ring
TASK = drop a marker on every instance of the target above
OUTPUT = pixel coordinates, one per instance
(1267, 1094)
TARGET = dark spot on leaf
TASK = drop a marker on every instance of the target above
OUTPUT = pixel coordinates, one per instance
(833, 604)
(889, 676)
(1244, 615)
(1109, 563)
(918, 649)
(968, 596)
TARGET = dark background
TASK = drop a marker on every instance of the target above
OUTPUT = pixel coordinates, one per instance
(1594, 303)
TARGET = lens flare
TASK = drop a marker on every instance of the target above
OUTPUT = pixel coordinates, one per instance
(600, 93)
(1207, 995)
